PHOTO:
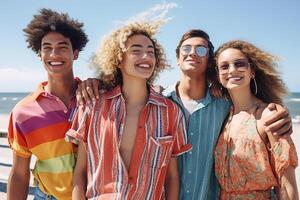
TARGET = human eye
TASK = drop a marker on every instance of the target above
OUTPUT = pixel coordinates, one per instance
(46, 48)
(224, 66)
(136, 51)
(150, 52)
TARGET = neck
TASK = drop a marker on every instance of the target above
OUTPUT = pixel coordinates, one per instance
(135, 92)
(192, 88)
(63, 88)
(243, 100)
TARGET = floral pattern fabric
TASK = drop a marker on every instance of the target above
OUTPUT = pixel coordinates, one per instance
(245, 167)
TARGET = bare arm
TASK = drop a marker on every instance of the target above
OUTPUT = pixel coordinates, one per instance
(288, 185)
(19, 178)
(87, 91)
(80, 180)
(172, 180)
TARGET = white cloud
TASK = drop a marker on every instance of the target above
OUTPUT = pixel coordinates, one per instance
(20, 80)
(154, 14)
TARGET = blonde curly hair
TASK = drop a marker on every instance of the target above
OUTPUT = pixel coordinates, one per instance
(270, 87)
(111, 51)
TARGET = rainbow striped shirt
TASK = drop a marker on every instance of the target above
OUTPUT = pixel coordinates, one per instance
(37, 126)
(160, 135)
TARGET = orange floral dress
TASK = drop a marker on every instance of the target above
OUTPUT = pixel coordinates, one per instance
(242, 161)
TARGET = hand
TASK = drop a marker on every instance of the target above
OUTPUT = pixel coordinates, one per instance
(87, 91)
(158, 88)
(280, 122)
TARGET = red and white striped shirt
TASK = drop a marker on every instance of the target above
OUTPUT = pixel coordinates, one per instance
(161, 133)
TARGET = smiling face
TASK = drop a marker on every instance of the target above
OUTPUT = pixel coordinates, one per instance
(139, 60)
(57, 54)
(190, 63)
(238, 71)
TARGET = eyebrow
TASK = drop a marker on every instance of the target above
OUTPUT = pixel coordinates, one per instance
(60, 43)
(140, 46)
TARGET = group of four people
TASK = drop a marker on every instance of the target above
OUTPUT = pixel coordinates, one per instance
(130, 140)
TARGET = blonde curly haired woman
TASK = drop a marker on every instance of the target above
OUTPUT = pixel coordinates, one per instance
(129, 138)
(249, 161)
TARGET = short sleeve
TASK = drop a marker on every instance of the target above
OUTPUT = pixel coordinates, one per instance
(80, 125)
(16, 139)
(179, 132)
(284, 155)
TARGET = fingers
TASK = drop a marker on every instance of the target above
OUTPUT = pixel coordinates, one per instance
(279, 112)
(79, 97)
(280, 127)
(95, 86)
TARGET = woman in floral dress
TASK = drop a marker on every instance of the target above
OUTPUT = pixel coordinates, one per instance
(249, 162)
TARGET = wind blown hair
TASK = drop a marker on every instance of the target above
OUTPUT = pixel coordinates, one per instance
(270, 86)
(51, 21)
(107, 59)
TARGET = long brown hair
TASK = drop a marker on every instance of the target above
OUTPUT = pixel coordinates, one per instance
(270, 87)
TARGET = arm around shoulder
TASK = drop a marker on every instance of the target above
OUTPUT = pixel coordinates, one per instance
(285, 159)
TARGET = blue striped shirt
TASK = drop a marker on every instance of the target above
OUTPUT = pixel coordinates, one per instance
(197, 177)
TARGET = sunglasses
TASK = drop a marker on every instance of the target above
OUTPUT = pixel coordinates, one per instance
(239, 65)
(200, 51)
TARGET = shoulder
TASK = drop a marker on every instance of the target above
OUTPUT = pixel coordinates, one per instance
(26, 102)
(263, 111)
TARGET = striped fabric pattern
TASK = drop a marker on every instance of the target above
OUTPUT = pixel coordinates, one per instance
(37, 127)
(197, 177)
(160, 135)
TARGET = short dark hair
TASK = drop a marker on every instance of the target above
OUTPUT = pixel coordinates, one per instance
(202, 34)
(51, 21)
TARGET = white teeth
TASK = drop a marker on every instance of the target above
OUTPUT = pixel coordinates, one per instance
(144, 65)
(235, 78)
(55, 63)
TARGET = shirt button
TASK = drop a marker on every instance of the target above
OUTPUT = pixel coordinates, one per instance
(187, 191)
(190, 152)
(192, 133)
(190, 171)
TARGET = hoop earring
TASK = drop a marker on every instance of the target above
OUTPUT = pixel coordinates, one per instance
(255, 86)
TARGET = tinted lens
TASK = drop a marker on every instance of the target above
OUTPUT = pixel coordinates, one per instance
(241, 65)
(185, 50)
(201, 51)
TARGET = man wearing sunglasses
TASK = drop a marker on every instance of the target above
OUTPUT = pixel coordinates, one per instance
(204, 114)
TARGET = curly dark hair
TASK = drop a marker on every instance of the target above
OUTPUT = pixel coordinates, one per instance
(51, 21)
(202, 34)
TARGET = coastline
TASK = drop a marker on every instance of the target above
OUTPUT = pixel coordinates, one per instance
(4, 118)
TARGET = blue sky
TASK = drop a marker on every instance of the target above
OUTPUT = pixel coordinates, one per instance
(272, 25)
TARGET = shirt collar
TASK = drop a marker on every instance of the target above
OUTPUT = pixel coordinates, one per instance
(154, 97)
(41, 88)
(170, 92)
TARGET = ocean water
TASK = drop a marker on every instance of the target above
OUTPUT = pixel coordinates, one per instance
(8, 100)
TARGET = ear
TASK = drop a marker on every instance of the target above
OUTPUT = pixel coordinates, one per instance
(75, 54)
(177, 61)
(252, 73)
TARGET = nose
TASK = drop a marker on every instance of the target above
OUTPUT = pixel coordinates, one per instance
(231, 67)
(192, 52)
(54, 52)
